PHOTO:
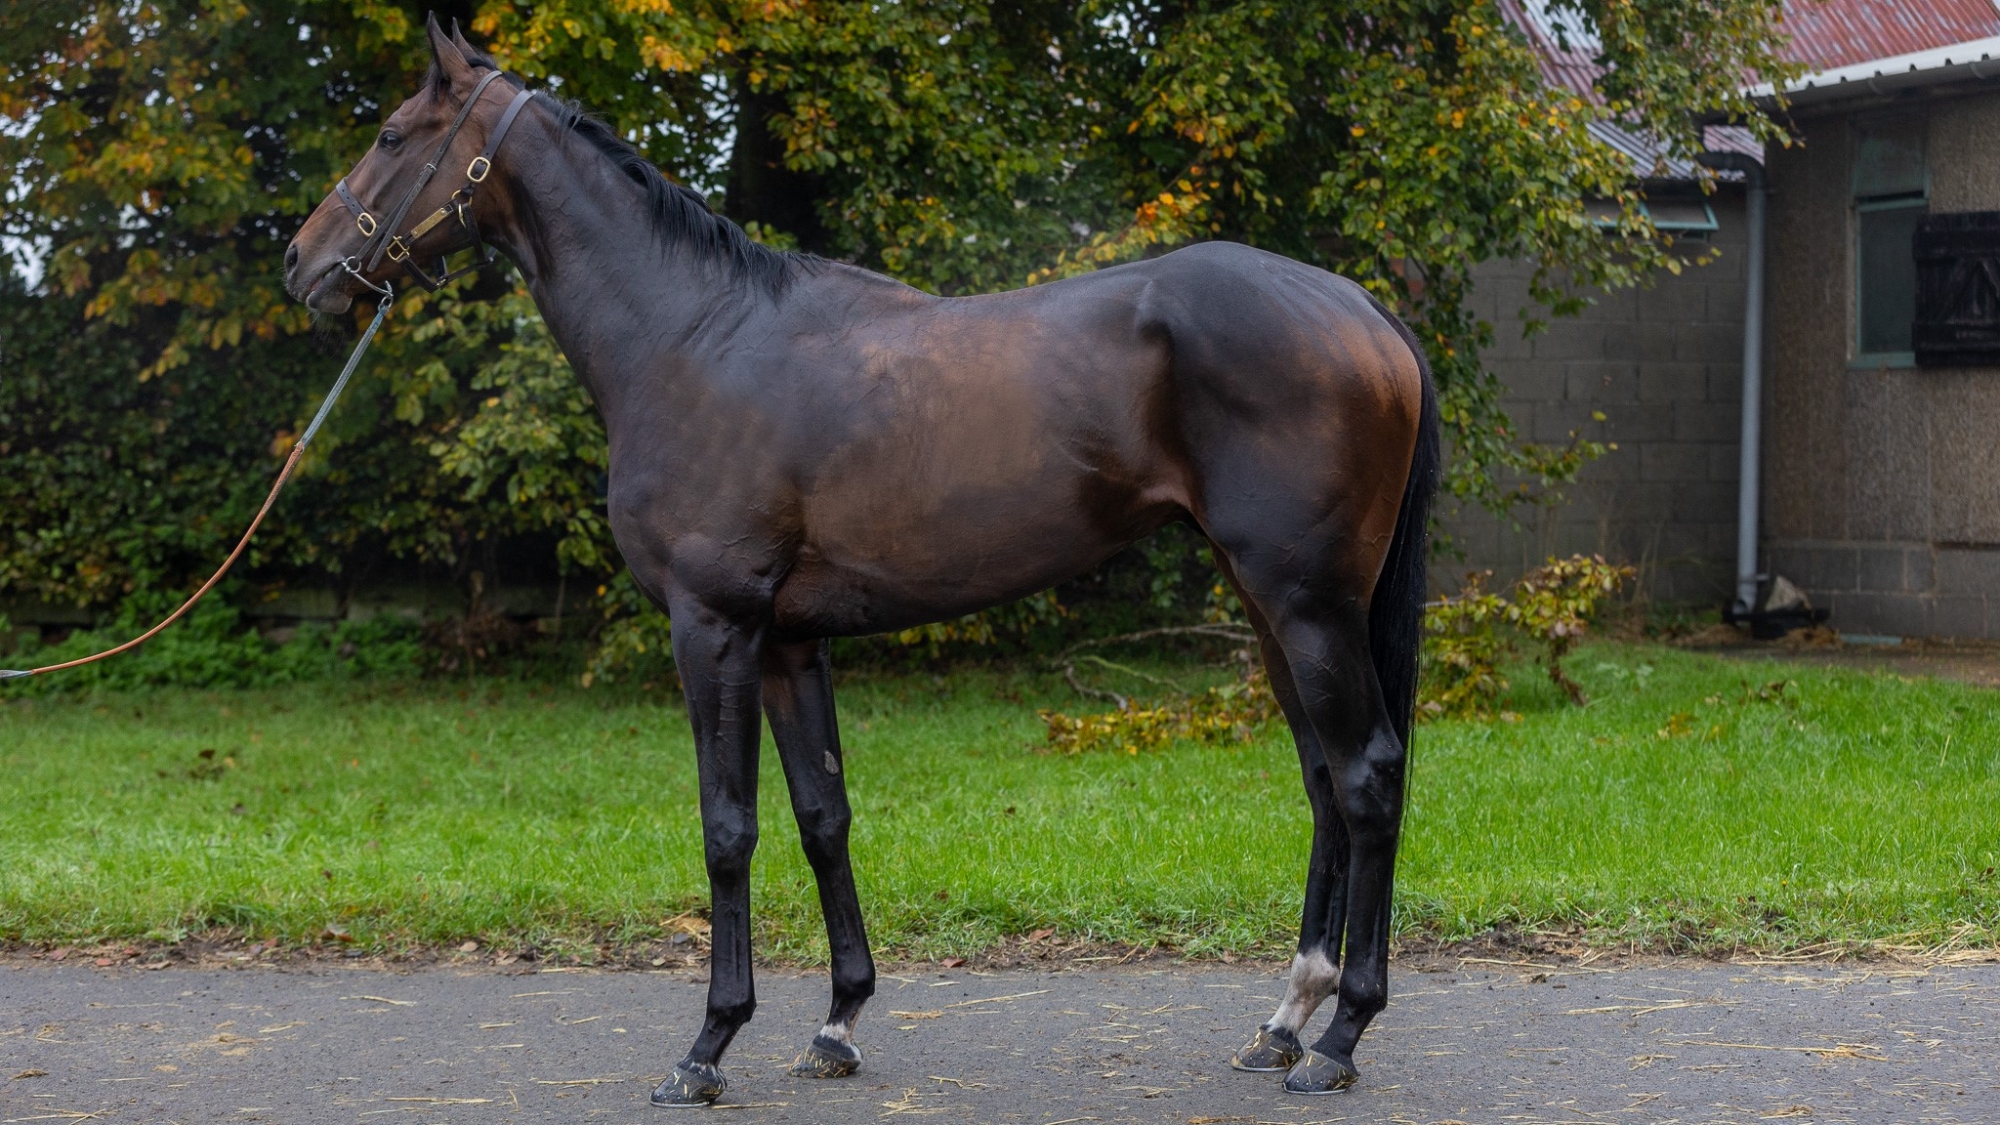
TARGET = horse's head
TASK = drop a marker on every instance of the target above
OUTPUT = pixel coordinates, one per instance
(376, 241)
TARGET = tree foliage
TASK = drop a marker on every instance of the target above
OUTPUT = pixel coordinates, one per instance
(160, 154)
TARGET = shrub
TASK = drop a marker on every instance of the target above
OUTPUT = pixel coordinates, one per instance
(1463, 649)
(210, 648)
(1232, 712)
(1465, 642)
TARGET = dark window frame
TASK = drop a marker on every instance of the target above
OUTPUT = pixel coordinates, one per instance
(1883, 199)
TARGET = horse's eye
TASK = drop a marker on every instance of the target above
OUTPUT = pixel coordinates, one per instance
(389, 140)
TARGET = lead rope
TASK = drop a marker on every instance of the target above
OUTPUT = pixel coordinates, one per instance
(381, 310)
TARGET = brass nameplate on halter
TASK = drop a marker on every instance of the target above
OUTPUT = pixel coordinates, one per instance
(424, 228)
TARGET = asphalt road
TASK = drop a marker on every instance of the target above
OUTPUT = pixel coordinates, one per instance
(1463, 1042)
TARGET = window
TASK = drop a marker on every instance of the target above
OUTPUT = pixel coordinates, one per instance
(1891, 196)
(1679, 210)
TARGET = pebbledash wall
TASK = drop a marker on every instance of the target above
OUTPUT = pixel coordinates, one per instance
(1882, 479)
(1663, 364)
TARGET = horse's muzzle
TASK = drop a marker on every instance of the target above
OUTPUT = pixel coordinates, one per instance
(323, 291)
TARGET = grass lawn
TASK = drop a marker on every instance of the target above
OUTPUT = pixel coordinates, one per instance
(1677, 809)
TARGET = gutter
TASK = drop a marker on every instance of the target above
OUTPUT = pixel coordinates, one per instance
(1975, 60)
(1751, 452)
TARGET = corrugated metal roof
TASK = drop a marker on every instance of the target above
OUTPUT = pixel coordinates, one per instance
(1835, 33)
(1565, 48)
(1881, 78)
(1826, 36)
(1566, 51)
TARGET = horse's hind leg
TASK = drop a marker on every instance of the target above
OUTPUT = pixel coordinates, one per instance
(1339, 692)
(798, 700)
(1318, 621)
(1316, 966)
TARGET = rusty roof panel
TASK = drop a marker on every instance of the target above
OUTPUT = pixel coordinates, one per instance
(1832, 33)
(1825, 33)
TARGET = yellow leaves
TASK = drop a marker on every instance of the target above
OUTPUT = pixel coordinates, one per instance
(1231, 713)
(172, 356)
(226, 332)
(663, 55)
(771, 10)
(1164, 220)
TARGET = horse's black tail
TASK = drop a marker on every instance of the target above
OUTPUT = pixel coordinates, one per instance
(1396, 615)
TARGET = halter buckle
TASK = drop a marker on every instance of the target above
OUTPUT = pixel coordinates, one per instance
(478, 169)
(366, 224)
(397, 251)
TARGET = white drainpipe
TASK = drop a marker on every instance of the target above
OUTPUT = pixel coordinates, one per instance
(1747, 487)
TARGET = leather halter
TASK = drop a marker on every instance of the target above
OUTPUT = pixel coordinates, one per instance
(397, 247)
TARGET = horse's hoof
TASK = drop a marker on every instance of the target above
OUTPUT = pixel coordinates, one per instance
(827, 1058)
(1271, 1050)
(1320, 1074)
(691, 1084)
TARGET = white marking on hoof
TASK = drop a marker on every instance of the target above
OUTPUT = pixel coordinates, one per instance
(838, 1032)
(1314, 978)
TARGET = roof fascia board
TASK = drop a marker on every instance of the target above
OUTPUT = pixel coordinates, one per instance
(1977, 59)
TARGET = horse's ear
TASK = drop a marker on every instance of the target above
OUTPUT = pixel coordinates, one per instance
(449, 61)
(464, 46)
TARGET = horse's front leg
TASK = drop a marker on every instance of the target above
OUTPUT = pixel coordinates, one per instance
(719, 663)
(798, 699)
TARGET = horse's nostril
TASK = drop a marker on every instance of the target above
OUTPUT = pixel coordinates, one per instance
(291, 258)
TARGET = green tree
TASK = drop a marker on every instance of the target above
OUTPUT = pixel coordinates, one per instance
(161, 152)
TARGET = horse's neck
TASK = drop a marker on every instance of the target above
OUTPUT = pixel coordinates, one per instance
(617, 300)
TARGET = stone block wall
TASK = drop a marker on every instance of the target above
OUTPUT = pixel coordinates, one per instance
(1664, 366)
(1881, 482)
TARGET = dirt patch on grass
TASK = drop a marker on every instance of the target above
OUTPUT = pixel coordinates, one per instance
(1971, 662)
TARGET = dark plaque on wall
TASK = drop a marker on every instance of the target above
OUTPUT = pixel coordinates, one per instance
(1958, 290)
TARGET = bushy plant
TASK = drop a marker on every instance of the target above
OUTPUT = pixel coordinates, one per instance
(1553, 603)
(1232, 712)
(211, 648)
(1463, 650)
(1469, 635)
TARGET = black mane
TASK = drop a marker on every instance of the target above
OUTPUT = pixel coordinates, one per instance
(678, 214)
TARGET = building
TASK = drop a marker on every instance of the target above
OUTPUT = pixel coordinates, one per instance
(1876, 482)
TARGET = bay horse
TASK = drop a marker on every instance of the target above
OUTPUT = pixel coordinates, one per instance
(801, 449)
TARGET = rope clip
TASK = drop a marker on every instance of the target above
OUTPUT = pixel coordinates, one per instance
(387, 290)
